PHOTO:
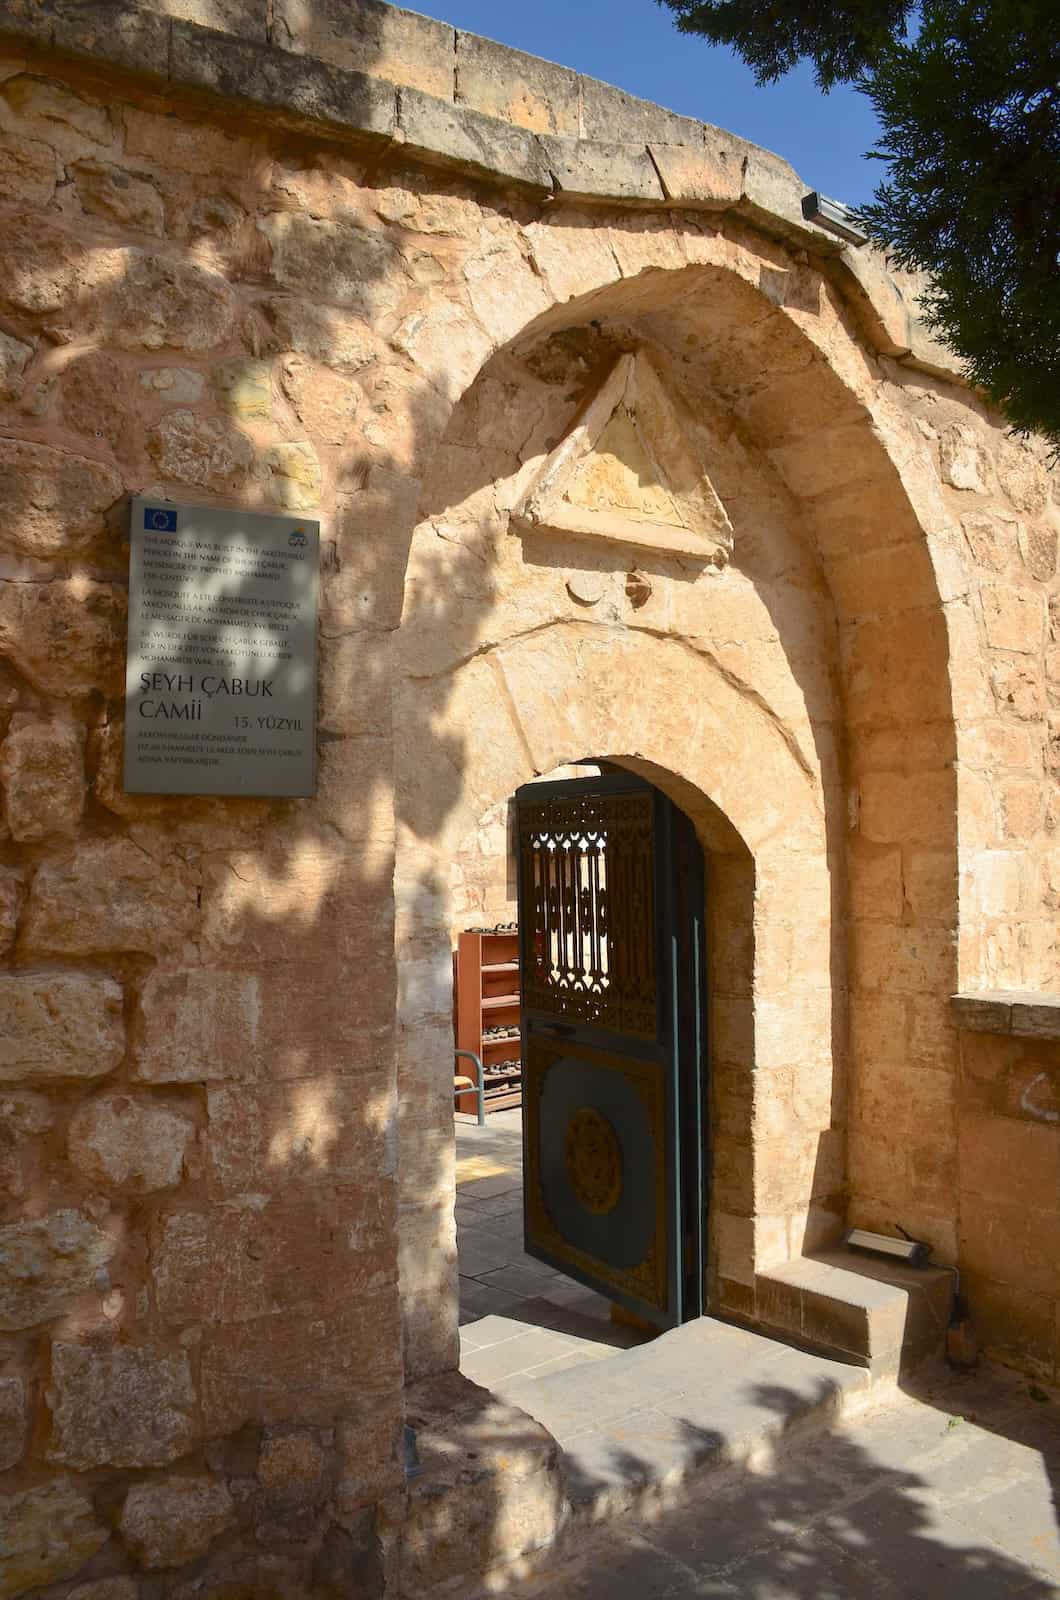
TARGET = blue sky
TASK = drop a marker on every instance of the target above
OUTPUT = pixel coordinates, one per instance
(634, 44)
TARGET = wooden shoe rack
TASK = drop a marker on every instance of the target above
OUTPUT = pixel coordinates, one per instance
(487, 1013)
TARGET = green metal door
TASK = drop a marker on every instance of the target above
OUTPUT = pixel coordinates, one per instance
(611, 895)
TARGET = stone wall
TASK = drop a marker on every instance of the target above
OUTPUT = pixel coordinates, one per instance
(231, 272)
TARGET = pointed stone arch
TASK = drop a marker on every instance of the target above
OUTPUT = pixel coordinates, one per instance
(843, 574)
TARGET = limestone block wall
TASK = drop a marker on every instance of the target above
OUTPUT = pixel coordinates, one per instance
(239, 264)
(199, 1320)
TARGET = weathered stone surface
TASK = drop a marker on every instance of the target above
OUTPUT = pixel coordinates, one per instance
(13, 1421)
(40, 266)
(198, 1026)
(610, 113)
(189, 448)
(243, 19)
(14, 358)
(318, 1129)
(571, 254)
(466, 139)
(121, 1406)
(301, 1366)
(124, 35)
(385, 40)
(184, 145)
(1018, 688)
(1037, 543)
(110, 895)
(1022, 476)
(876, 296)
(59, 1025)
(214, 214)
(167, 1524)
(244, 388)
(517, 88)
(334, 338)
(709, 175)
(66, 636)
(294, 475)
(12, 895)
(46, 1535)
(42, 774)
(446, 344)
(58, 111)
(963, 459)
(335, 261)
(45, 1264)
(771, 196)
(297, 88)
(602, 171)
(54, 499)
(126, 1142)
(1014, 618)
(176, 386)
(95, 402)
(326, 402)
(209, 1268)
(291, 1464)
(110, 191)
(29, 170)
(151, 302)
(458, 1432)
(106, 1589)
(992, 537)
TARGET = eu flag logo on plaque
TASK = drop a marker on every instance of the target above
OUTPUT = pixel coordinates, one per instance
(159, 520)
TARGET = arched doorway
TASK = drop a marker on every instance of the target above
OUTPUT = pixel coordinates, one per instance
(764, 690)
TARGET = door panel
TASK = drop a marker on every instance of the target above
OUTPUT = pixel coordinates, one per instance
(611, 1062)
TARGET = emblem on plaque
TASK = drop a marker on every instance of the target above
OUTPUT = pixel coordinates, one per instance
(593, 1158)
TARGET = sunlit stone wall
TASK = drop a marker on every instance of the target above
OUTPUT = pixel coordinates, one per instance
(227, 1235)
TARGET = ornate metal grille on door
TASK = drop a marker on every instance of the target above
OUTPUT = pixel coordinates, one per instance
(588, 864)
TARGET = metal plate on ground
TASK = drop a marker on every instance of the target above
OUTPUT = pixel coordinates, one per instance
(220, 689)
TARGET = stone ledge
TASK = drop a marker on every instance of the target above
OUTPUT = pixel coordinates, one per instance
(630, 152)
(886, 1315)
(1012, 1011)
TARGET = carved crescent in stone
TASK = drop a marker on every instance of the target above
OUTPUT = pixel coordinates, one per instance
(628, 473)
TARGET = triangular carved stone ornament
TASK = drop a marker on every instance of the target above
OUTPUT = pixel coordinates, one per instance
(628, 473)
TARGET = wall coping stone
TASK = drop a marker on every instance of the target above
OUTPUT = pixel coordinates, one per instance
(1019, 1012)
(651, 159)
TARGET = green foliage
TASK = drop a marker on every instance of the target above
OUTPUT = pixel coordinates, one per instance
(841, 41)
(969, 108)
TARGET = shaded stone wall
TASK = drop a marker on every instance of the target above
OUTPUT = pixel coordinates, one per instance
(225, 1060)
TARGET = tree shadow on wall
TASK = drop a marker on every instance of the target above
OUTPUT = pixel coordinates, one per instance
(253, 938)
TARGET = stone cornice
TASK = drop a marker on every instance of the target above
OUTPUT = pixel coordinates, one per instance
(652, 159)
(1019, 1012)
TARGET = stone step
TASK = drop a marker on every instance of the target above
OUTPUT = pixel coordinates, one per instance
(886, 1315)
(504, 1479)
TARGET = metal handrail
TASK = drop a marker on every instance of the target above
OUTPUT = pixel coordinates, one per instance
(481, 1090)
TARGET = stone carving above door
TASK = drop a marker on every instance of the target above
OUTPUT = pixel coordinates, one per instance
(628, 473)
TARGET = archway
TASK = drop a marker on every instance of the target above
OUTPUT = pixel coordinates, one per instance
(758, 690)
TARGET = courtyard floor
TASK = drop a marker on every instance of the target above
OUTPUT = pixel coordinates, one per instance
(951, 1493)
(519, 1319)
(741, 1485)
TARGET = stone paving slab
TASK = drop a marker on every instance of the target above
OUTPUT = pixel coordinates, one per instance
(708, 1392)
(949, 1493)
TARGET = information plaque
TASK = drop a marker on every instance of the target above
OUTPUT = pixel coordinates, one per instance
(220, 688)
